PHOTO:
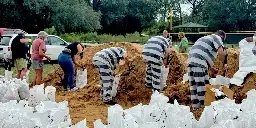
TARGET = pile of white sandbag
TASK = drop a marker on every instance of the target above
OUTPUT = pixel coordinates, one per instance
(159, 114)
(47, 114)
(13, 89)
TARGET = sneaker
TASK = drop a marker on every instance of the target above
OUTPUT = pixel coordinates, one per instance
(111, 102)
(73, 89)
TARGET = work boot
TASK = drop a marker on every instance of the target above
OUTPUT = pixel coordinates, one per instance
(148, 86)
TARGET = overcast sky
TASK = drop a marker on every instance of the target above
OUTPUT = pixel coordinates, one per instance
(186, 8)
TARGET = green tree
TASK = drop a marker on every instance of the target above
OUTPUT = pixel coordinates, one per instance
(229, 15)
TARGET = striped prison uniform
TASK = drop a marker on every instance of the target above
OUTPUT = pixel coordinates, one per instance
(201, 57)
(153, 54)
(105, 61)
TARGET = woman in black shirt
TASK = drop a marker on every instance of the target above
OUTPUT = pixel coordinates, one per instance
(66, 60)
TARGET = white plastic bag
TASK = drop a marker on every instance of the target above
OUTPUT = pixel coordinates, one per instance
(115, 85)
(185, 78)
(50, 93)
(115, 116)
(164, 77)
(36, 95)
(81, 78)
(8, 74)
(99, 124)
(23, 91)
(81, 124)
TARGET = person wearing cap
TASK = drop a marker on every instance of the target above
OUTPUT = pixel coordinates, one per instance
(200, 59)
(38, 54)
(183, 46)
(66, 60)
(106, 61)
(19, 54)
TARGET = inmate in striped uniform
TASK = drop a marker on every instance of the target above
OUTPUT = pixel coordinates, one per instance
(105, 61)
(201, 57)
(153, 54)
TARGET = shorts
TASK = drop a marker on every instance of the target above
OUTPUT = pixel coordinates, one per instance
(20, 64)
(36, 64)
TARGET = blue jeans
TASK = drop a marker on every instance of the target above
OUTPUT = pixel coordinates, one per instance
(65, 62)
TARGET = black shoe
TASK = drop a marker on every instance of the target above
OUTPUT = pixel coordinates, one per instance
(156, 90)
(148, 86)
(111, 102)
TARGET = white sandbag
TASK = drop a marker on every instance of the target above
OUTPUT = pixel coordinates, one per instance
(50, 93)
(81, 78)
(207, 118)
(115, 116)
(149, 125)
(36, 95)
(136, 112)
(12, 94)
(23, 90)
(115, 85)
(164, 77)
(8, 74)
(185, 78)
(130, 121)
(159, 99)
(220, 80)
(99, 124)
(81, 124)
(247, 62)
(238, 78)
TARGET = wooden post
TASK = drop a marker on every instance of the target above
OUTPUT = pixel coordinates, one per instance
(170, 19)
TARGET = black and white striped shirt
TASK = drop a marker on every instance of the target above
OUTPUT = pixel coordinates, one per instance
(155, 48)
(204, 51)
(110, 56)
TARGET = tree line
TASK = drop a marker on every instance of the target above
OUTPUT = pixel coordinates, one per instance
(125, 16)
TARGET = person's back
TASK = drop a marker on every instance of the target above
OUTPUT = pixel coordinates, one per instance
(18, 49)
(36, 45)
(154, 50)
(204, 51)
(110, 56)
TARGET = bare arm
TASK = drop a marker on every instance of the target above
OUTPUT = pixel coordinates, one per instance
(79, 50)
(166, 56)
(221, 54)
(24, 41)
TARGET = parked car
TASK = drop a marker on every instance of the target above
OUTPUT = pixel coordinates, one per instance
(12, 31)
(54, 45)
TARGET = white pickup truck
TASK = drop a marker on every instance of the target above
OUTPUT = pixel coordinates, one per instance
(54, 45)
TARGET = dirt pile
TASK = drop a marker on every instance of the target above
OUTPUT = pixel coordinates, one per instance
(178, 67)
(240, 92)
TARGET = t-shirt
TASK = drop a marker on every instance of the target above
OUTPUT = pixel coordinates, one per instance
(73, 48)
(154, 50)
(183, 43)
(38, 44)
(18, 48)
(204, 51)
(110, 56)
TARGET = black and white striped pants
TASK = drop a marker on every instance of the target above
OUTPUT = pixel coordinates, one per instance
(198, 77)
(106, 80)
(153, 75)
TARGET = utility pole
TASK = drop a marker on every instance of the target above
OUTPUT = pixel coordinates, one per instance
(170, 19)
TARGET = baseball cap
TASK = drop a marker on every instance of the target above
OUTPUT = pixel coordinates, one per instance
(22, 35)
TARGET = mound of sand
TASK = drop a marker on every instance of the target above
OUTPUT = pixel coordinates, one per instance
(86, 102)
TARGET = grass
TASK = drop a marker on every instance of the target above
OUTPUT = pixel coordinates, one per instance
(47, 69)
